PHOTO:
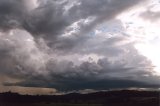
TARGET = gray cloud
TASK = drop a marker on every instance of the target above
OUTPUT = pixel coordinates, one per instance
(50, 18)
(150, 15)
(46, 45)
(103, 74)
(81, 83)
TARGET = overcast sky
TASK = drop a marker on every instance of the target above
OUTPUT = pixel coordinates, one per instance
(50, 46)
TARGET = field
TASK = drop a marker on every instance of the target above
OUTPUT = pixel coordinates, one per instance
(110, 98)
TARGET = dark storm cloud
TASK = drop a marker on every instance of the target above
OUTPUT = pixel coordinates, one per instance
(91, 75)
(96, 11)
(100, 75)
(47, 20)
(10, 14)
(42, 56)
(50, 18)
(81, 83)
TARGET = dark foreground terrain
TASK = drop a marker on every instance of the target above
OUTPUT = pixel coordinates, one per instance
(110, 98)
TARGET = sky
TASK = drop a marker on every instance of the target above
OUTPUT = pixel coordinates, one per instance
(52, 46)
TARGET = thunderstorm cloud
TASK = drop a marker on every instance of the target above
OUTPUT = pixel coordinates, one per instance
(72, 45)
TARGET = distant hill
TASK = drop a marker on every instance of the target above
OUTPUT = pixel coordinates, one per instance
(107, 98)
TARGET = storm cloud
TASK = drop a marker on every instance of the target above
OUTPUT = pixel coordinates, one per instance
(70, 45)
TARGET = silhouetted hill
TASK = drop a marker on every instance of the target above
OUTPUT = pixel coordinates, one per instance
(110, 98)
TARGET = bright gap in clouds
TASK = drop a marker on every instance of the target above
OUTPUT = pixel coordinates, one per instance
(145, 33)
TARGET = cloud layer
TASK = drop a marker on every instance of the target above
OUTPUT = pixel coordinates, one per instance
(70, 45)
